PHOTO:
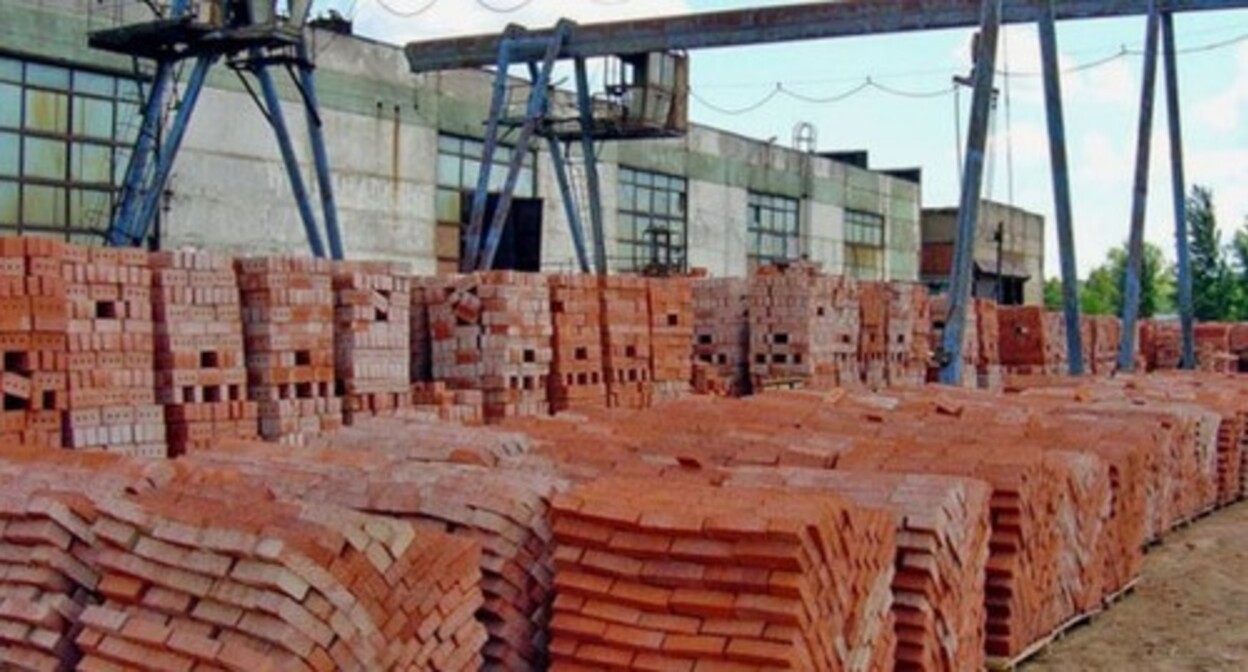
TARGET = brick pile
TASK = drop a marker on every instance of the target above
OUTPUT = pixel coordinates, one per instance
(1033, 340)
(111, 354)
(942, 527)
(873, 334)
(1160, 344)
(1213, 348)
(1105, 339)
(465, 407)
(988, 336)
(909, 340)
(626, 345)
(970, 343)
(653, 576)
(201, 372)
(1239, 345)
(576, 371)
(804, 327)
(721, 336)
(492, 332)
(372, 339)
(425, 289)
(34, 315)
(671, 335)
(288, 329)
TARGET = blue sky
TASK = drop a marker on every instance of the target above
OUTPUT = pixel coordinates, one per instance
(899, 131)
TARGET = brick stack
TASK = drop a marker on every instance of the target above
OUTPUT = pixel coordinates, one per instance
(225, 577)
(942, 552)
(970, 342)
(1106, 339)
(626, 347)
(988, 335)
(804, 327)
(112, 387)
(425, 289)
(34, 316)
(654, 576)
(492, 332)
(909, 324)
(201, 373)
(1213, 347)
(576, 372)
(372, 344)
(1033, 341)
(288, 328)
(671, 335)
(1239, 345)
(721, 326)
(873, 341)
(1160, 344)
(466, 407)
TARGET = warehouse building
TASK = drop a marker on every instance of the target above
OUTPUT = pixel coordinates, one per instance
(405, 153)
(1009, 252)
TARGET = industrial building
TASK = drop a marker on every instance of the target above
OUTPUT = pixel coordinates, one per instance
(1008, 253)
(404, 150)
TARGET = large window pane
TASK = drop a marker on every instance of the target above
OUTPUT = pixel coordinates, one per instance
(93, 118)
(44, 158)
(47, 111)
(651, 225)
(90, 209)
(91, 163)
(43, 206)
(95, 84)
(10, 70)
(8, 203)
(10, 105)
(10, 154)
(48, 76)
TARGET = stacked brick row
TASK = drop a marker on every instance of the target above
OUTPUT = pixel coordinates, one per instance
(1033, 340)
(687, 577)
(909, 327)
(34, 316)
(372, 349)
(942, 527)
(1105, 339)
(988, 336)
(111, 354)
(576, 371)
(626, 343)
(201, 372)
(1160, 344)
(873, 341)
(721, 336)
(492, 332)
(804, 326)
(288, 329)
(1213, 348)
(671, 335)
(970, 342)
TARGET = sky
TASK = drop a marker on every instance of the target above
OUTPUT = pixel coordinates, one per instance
(910, 117)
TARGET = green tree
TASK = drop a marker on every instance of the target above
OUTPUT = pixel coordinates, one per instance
(1239, 272)
(1212, 288)
(1053, 294)
(1102, 293)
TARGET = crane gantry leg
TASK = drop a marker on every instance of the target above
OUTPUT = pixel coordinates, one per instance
(1187, 317)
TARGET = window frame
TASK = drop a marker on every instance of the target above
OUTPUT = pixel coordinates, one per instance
(865, 244)
(774, 217)
(665, 215)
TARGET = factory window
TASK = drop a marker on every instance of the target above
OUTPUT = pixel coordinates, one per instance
(459, 167)
(652, 228)
(65, 137)
(772, 230)
(864, 245)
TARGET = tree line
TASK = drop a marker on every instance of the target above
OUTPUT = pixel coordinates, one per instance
(1219, 273)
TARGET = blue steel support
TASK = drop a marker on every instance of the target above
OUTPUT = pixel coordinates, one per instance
(962, 275)
(278, 121)
(532, 114)
(476, 220)
(1139, 205)
(592, 186)
(320, 156)
(169, 149)
(1187, 313)
(133, 189)
(1061, 187)
(569, 204)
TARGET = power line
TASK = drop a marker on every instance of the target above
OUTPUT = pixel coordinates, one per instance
(504, 10)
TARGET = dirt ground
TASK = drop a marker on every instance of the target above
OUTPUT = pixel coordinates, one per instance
(1190, 611)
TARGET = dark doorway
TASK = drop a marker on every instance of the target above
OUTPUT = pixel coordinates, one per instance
(520, 248)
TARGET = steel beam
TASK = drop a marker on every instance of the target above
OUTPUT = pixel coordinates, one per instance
(1187, 313)
(809, 21)
(1061, 187)
(170, 147)
(1139, 204)
(133, 186)
(320, 156)
(962, 276)
(273, 103)
(480, 197)
(590, 156)
(569, 202)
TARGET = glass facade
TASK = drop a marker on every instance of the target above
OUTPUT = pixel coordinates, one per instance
(65, 139)
(459, 167)
(652, 221)
(773, 230)
(864, 245)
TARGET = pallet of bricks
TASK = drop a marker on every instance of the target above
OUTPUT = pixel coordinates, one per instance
(201, 372)
(33, 332)
(873, 308)
(1239, 345)
(909, 327)
(804, 328)
(721, 336)
(431, 398)
(372, 338)
(1033, 341)
(1160, 344)
(111, 354)
(671, 335)
(576, 369)
(988, 334)
(970, 342)
(288, 328)
(626, 354)
(1105, 337)
(491, 332)
(1213, 347)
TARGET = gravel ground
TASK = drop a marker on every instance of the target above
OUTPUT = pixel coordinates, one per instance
(1190, 611)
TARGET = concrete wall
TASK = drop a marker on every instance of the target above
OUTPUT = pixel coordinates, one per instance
(1023, 245)
(229, 189)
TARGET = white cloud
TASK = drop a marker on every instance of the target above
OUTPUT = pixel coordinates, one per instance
(402, 21)
(1222, 111)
